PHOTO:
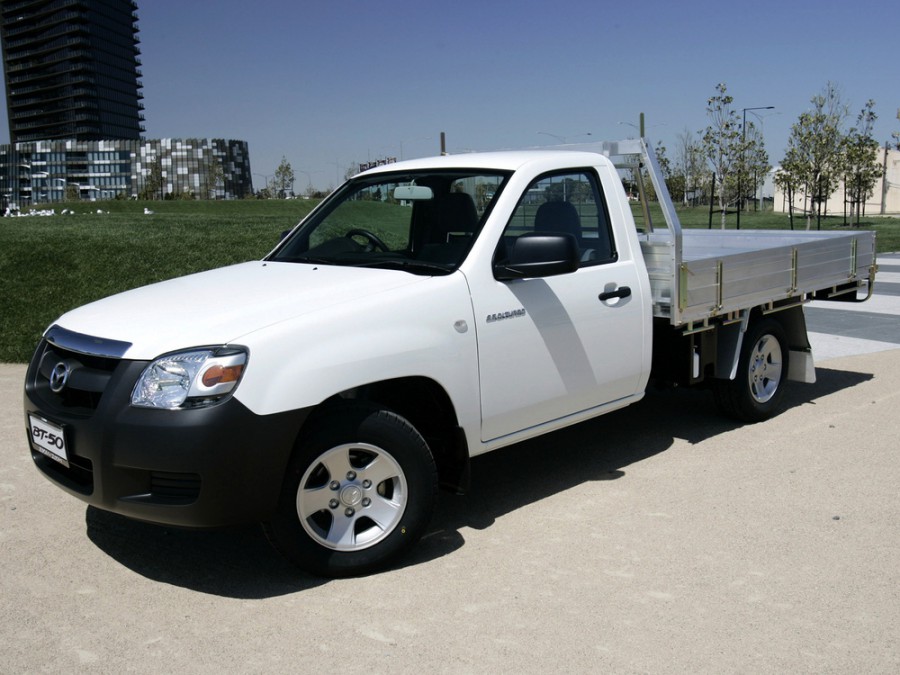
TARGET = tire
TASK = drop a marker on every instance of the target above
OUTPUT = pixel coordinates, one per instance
(359, 491)
(757, 391)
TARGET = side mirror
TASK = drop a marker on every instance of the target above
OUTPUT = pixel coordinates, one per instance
(539, 255)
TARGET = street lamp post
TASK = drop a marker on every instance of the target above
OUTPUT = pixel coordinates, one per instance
(264, 175)
(744, 157)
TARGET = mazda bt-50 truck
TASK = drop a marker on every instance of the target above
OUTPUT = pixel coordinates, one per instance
(426, 312)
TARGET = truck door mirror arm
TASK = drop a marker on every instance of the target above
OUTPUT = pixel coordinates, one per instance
(536, 255)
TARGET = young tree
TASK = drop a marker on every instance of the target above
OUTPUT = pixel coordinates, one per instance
(896, 134)
(153, 184)
(215, 178)
(815, 146)
(754, 164)
(861, 166)
(790, 177)
(689, 168)
(283, 181)
(722, 144)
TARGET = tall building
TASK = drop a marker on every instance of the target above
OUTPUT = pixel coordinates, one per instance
(72, 69)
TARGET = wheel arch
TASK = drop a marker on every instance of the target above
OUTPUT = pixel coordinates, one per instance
(426, 405)
(731, 337)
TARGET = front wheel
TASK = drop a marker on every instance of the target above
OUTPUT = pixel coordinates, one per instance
(757, 391)
(360, 490)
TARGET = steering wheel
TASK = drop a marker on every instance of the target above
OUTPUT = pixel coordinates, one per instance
(373, 241)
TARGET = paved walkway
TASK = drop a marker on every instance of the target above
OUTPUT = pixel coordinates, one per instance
(845, 328)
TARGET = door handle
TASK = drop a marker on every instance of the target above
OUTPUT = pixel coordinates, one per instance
(620, 292)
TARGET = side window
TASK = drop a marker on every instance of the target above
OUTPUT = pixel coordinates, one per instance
(567, 203)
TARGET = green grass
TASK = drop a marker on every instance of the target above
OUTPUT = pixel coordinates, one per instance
(49, 265)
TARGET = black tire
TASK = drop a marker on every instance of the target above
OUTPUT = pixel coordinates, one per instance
(757, 391)
(360, 490)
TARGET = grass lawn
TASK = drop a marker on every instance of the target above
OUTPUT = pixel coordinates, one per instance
(49, 265)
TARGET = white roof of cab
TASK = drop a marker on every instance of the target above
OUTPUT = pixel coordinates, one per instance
(503, 161)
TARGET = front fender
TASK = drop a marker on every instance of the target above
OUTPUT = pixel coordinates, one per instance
(421, 330)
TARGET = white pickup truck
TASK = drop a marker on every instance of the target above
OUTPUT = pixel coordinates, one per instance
(426, 312)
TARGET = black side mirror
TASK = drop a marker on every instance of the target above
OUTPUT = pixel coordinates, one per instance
(538, 254)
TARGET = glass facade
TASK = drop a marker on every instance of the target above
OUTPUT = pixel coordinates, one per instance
(46, 172)
(72, 69)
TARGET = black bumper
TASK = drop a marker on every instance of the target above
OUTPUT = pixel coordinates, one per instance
(203, 467)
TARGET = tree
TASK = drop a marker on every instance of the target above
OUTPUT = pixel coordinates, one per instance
(153, 184)
(754, 162)
(815, 147)
(215, 178)
(722, 145)
(283, 180)
(896, 134)
(665, 169)
(688, 173)
(861, 166)
(790, 177)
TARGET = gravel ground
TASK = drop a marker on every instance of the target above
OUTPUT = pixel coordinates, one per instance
(656, 539)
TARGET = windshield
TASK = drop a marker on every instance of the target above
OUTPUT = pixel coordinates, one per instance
(422, 222)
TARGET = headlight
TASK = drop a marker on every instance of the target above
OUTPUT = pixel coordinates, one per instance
(190, 379)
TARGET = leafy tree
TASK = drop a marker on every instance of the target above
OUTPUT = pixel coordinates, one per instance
(73, 194)
(215, 178)
(861, 166)
(815, 149)
(665, 168)
(790, 177)
(283, 180)
(722, 144)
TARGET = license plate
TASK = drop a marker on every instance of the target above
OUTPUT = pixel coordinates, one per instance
(48, 438)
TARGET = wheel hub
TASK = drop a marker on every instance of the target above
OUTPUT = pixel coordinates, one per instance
(351, 495)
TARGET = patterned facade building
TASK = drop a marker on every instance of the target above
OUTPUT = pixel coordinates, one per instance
(46, 172)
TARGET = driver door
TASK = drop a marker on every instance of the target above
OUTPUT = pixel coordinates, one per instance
(551, 347)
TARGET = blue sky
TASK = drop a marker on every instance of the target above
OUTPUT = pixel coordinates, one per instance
(330, 83)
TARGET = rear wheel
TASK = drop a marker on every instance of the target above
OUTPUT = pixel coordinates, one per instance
(757, 391)
(360, 490)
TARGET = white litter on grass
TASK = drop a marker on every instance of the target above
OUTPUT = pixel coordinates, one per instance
(30, 212)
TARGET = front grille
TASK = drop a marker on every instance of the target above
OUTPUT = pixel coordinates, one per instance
(87, 378)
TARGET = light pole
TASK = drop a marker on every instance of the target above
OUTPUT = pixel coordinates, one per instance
(266, 176)
(744, 158)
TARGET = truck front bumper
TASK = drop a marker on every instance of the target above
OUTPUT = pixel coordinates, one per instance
(202, 467)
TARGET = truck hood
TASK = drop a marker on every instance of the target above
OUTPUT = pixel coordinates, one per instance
(223, 305)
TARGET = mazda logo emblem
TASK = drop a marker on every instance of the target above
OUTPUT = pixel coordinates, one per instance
(59, 376)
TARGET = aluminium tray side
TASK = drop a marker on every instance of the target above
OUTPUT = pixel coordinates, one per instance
(730, 270)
